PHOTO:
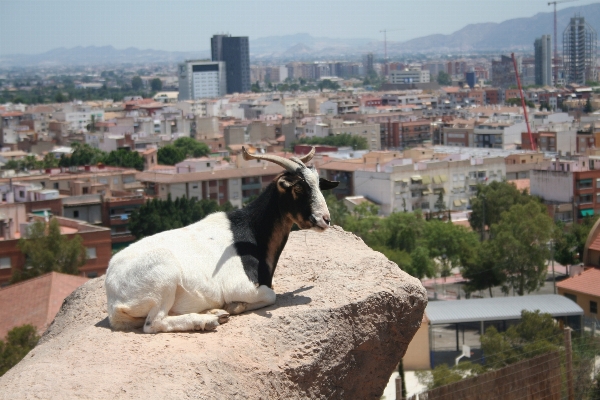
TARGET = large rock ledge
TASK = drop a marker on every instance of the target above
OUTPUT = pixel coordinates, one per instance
(343, 319)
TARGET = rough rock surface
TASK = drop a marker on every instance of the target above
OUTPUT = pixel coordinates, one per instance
(343, 319)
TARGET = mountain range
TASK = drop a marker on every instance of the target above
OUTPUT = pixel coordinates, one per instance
(511, 35)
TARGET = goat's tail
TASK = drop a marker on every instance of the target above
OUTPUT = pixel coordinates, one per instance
(120, 319)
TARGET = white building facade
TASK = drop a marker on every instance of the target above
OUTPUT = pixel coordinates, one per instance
(202, 79)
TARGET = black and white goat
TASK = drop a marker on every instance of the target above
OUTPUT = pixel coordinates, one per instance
(193, 278)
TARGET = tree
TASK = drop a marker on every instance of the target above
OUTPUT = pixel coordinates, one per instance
(484, 272)
(337, 210)
(588, 106)
(156, 84)
(192, 147)
(83, 154)
(421, 263)
(125, 158)
(536, 334)
(570, 240)
(341, 140)
(516, 101)
(450, 245)
(60, 97)
(444, 79)
(520, 239)
(494, 199)
(136, 83)
(18, 342)
(47, 250)
(160, 215)
(440, 204)
(170, 155)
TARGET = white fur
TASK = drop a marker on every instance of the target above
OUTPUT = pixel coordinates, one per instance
(167, 279)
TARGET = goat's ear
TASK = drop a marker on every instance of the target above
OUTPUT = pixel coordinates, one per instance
(287, 181)
(324, 184)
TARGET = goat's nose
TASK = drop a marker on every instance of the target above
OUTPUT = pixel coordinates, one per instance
(327, 220)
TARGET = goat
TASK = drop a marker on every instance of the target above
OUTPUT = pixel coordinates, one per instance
(195, 277)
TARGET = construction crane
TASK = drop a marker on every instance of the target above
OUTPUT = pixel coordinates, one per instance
(514, 60)
(555, 70)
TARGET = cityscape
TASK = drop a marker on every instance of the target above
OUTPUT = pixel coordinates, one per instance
(469, 160)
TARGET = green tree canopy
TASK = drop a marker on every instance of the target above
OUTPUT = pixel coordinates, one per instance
(444, 79)
(484, 272)
(47, 250)
(521, 239)
(156, 84)
(136, 83)
(160, 215)
(124, 158)
(450, 245)
(536, 334)
(18, 342)
(341, 140)
(494, 199)
(191, 147)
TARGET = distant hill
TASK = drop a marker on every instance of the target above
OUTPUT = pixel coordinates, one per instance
(513, 34)
(510, 35)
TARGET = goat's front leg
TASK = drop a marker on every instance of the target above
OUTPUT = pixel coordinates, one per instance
(263, 296)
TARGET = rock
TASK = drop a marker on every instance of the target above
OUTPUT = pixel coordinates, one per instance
(343, 319)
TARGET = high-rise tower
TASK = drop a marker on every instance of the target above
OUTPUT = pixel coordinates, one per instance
(543, 60)
(579, 51)
(235, 52)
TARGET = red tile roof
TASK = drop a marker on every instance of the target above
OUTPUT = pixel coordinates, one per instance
(595, 245)
(35, 301)
(587, 282)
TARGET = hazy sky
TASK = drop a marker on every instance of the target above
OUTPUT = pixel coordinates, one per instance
(35, 26)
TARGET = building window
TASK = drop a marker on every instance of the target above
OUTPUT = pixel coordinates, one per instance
(586, 198)
(91, 252)
(76, 214)
(93, 274)
(584, 184)
(21, 193)
(5, 263)
(593, 307)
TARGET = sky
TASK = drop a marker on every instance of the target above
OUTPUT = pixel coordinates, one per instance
(36, 26)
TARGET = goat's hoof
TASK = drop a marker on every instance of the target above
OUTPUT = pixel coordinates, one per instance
(235, 307)
(222, 315)
(211, 325)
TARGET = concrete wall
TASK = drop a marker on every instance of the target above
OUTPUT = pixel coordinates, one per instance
(583, 301)
(417, 354)
(552, 185)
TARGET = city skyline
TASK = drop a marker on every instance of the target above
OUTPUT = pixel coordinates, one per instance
(187, 26)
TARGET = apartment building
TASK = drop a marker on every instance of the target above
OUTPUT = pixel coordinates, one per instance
(409, 76)
(569, 187)
(78, 117)
(235, 185)
(14, 225)
(406, 185)
(202, 79)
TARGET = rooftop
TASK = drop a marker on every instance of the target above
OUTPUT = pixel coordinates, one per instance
(499, 308)
(587, 282)
(35, 301)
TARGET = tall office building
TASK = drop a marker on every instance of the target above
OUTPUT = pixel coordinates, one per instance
(200, 79)
(235, 52)
(368, 63)
(543, 60)
(579, 51)
(503, 73)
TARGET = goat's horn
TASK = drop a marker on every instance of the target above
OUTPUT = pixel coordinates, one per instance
(309, 156)
(289, 165)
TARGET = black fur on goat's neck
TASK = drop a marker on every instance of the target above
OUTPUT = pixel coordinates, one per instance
(260, 232)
